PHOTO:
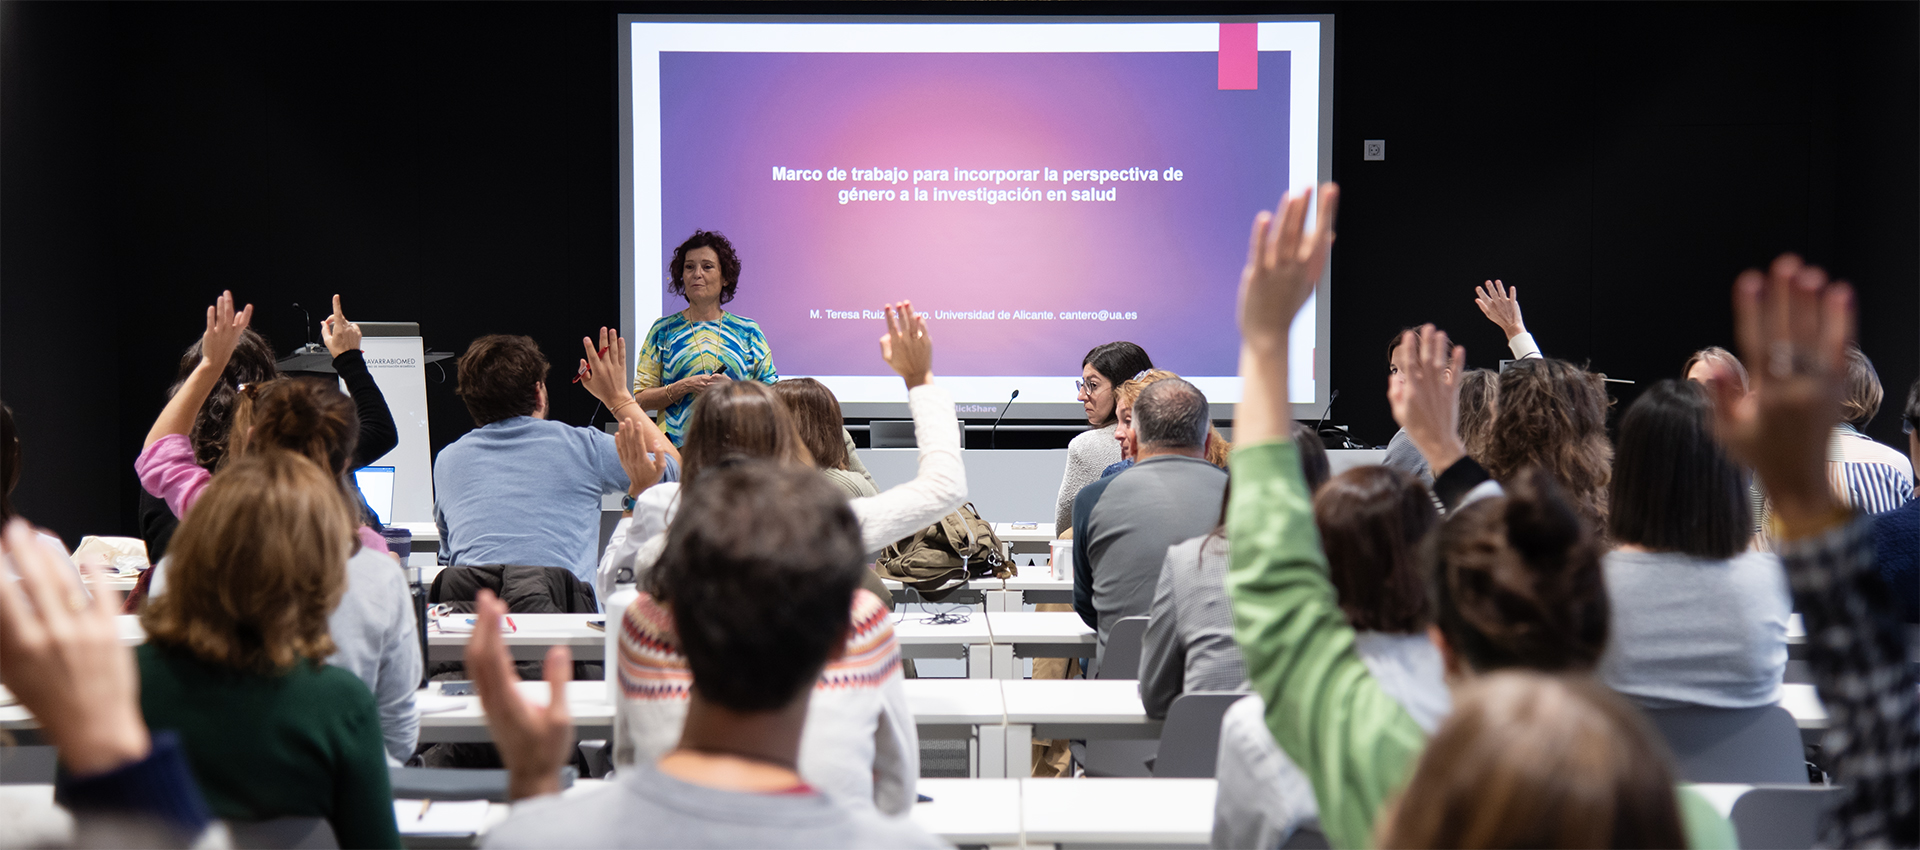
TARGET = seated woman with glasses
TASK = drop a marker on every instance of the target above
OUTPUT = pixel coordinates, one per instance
(1102, 371)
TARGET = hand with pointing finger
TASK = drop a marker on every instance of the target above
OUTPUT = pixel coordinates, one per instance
(340, 335)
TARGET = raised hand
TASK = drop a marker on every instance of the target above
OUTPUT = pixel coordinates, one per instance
(1793, 329)
(605, 374)
(1426, 401)
(64, 661)
(1284, 263)
(642, 471)
(339, 334)
(906, 346)
(534, 741)
(1501, 306)
(224, 328)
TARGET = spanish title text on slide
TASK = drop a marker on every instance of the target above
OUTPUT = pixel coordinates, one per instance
(991, 186)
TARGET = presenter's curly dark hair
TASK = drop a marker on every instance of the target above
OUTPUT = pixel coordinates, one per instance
(729, 262)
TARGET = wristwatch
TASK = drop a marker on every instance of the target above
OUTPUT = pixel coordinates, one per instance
(627, 503)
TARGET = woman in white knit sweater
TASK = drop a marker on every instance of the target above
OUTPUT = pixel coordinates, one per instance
(860, 744)
(1102, 371)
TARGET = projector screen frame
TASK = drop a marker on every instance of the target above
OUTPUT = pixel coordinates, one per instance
(970, 408)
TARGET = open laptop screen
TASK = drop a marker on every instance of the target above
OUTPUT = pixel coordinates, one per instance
(376, 485)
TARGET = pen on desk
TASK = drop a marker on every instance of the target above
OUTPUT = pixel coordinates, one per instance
(424, 806)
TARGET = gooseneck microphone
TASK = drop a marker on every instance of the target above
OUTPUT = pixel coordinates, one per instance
(993, 434)
(1323, 414)
(311, 346)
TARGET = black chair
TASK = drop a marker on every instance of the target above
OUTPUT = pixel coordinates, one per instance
(1190, 740)
(1781, 817)
(284, 834)
(1747, 745)
(1120, 660)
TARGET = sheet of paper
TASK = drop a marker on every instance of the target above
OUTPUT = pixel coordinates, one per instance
(444, 817)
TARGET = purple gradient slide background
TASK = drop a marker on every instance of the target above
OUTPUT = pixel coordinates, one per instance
(1171, 252)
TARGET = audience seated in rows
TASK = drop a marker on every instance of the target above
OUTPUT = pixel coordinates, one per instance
(860, 745)
(1699, 618)
(1371, 521)
(1502, 307)
(759, 619)
(1102, 372)
(816, 413)
(1123, 525)
(1516, 580)
(252, 362)
(520, 488)
(374, 632)
(236, 649)
(1896, 533)
(1217, 446)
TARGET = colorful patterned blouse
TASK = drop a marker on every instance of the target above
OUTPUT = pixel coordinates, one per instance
(676, 348)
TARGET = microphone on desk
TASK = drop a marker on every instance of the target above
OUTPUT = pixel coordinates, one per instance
(1323, 414)
(993, 434)
(311, 346)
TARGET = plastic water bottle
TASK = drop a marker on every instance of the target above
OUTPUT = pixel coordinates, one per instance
(615, 608)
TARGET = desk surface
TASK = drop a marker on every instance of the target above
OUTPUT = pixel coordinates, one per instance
(1154, 812)
(971, 811)
(533, 630)
(1041, 627)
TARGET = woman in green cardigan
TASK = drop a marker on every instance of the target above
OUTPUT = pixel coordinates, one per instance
(232, 658)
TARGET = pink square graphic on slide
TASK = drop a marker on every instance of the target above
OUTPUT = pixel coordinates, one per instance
(1239, 57)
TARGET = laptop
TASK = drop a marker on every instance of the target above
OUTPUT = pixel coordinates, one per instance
(376, 486)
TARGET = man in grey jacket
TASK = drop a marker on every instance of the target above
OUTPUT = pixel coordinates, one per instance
(1123, 524)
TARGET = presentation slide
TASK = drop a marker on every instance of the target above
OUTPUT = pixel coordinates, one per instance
(1035, 189)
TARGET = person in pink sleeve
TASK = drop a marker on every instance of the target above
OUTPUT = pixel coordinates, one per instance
(166, 465)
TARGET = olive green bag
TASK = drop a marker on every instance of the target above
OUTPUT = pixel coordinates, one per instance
(941, 558)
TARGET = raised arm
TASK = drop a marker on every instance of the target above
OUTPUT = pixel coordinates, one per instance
(1795, 327)
(1426, 401)
(605, 376)
(941, 483)
(1501, 306)
(378, 434)
(217, 342)
(1324, 709)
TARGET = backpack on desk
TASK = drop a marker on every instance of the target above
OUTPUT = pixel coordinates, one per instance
(943, 557)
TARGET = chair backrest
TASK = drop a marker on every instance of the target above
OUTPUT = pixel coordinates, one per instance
(1749, 745)
(1190, 740)
(1781, 817)
(1120, 659)
(284, 834)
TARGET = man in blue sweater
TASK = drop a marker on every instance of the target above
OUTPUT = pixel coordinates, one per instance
(521, 488)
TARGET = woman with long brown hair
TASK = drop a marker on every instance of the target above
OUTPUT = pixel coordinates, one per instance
(816, 415)
(234, 658)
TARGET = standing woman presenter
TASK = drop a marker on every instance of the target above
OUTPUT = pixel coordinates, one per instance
(689, 351)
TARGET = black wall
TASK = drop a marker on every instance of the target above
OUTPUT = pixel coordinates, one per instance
(455, 164)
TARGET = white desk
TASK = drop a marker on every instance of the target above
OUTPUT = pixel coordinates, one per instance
(1043, 634)
(119, 583)
(1803, 702)
(1041, 532)
(1136, 812)
(970, 811)
(992, 642)
(532, 634)
(1076, 812)
(1079, 708)
(587, 701)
